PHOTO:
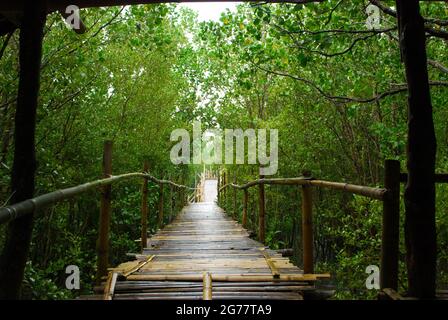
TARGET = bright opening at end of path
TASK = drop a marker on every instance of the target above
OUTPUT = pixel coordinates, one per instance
(210, 10)
(210, 190)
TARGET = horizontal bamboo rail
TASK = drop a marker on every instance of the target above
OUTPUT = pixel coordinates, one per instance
(23, 208)
(370, 192)
(29, 206)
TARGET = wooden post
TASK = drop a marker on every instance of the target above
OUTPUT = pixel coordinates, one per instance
(219, 186)
(172, 204)
(234, 196)
(419, 196)
(144, 229)
(195, 192)
(104, 222)
(245, 200)
(183, 195)
(207, 286)
(18, 236)
(261, 213)
(307, 229)
(391, 226)
(160, 218)
(224, 191)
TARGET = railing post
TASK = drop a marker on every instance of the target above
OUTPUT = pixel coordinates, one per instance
(160, 218)
(144, 229)
(234, 196)
(172, 203)
(224, 191)
(219, 186)
(307, 229)
(245, 200)
(390, 226)
(105, 210)
(261, 213)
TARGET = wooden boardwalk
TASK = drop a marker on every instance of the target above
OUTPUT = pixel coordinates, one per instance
(204, 254)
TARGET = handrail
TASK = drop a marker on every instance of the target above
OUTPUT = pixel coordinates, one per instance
(375, 193)
(389, 195)
(29, 206)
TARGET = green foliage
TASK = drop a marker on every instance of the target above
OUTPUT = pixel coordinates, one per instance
(141, 72)
(37, 285)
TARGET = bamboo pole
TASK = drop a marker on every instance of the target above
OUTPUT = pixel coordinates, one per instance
(307, 229)
(218, 195)
(245, 200)
(160, 218)
(369, 192)
(234, 196)
(390, 226)
(172, 204)
(224, 191)
(261, 213)
(228, 277)
(35, 204)
(105, 211)
(109, 288)
(207, 286)
(144, 209)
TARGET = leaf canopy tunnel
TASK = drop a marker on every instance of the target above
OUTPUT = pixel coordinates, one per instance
(344, 96)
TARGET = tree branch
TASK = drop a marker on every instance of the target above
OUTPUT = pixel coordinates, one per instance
(433, 32)
(438, 65)
(344, 99)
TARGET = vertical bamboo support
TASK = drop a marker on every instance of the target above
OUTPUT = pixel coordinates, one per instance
(195, 192)
(245, 200)
(224, 191)
(219, 186)
(206, 286)
(261, 213)
(307, 229)
(234, 196)
(172, 203)
(144, 209)
(105, 210)
(391, 226)
(160, 217)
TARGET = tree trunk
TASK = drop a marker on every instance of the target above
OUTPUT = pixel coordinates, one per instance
(15, 251)
(420, 231)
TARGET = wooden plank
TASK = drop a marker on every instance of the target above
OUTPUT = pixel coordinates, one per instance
(128, 272)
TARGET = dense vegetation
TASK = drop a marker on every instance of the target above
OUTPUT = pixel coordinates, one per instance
(334, 88)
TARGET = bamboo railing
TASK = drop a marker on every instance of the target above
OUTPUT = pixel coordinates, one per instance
(35, 205)
(389, 195)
